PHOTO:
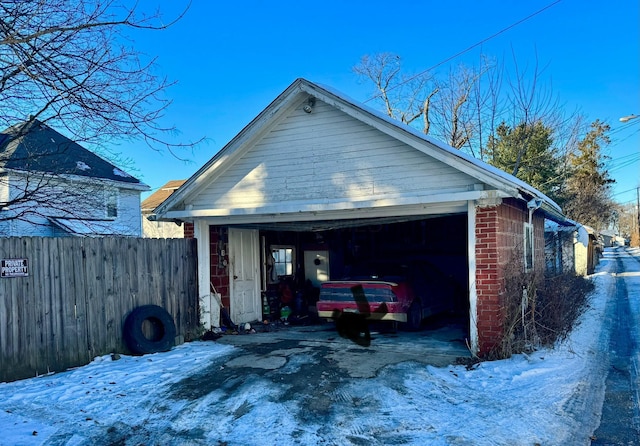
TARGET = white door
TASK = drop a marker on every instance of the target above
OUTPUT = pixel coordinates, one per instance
(244, 276)
(316, 267)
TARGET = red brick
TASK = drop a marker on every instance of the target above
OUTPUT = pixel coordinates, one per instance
(189, 231)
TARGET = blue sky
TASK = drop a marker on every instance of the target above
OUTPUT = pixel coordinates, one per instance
(231, 59)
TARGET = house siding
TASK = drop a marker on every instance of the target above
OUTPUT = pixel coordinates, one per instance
(161, 229)
(559, 250)
(499, 235)
(86, 200)
(327, 156)
(128, 221)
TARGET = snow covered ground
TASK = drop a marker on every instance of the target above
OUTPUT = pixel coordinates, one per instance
(551, 397)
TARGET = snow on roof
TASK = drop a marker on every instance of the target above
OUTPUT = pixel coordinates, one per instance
(445, 147)
(553, 226)
(121, 173)
(94, 228)
(33, 146)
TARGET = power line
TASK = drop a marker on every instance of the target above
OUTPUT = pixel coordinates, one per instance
(625, 125)
(513, 25)
(623, 161)
(624, 192)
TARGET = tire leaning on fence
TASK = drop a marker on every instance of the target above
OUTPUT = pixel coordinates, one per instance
(160, 324)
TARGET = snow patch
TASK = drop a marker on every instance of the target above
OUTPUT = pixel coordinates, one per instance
(121, 173)
(82, 165)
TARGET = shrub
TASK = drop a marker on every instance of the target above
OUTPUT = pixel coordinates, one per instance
(561, 300)
(538, 311)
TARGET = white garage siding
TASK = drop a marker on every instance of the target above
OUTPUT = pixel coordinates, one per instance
(328, 157)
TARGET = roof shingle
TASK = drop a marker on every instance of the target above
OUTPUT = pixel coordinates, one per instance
(35, 147)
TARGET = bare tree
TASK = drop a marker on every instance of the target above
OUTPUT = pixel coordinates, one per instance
(405, 98)
(627, 222)
(453, 119)
(467, 106)
(531, 102)
(69, 65)
(446, 106)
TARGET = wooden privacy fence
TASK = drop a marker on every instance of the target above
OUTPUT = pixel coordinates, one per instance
(63, 301)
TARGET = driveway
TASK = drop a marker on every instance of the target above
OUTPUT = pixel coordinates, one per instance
(349, 357)
(312, 372)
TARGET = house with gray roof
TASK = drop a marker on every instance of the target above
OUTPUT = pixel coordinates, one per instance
(51, 186)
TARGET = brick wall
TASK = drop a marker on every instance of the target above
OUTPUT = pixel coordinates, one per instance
(218, 244)
(488, 278)
(499, 242)
(219, 271)
(189, 232)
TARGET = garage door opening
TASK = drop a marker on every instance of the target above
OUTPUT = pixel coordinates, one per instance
(429, 254)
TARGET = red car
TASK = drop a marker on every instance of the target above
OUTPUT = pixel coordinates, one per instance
(386, 298)
(378, 300)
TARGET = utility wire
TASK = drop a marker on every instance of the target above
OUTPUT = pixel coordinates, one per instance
(624, 164)
(624, 191)
(624, 127)
(513, 25)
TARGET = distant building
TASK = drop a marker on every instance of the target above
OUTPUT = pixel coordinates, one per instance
(160, 229)
(559, 247)
(50, 186)
(588, 248)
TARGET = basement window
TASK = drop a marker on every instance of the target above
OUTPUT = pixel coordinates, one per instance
(528, 247)
(283, 260)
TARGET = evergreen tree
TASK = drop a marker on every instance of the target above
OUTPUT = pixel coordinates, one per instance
(526, 152)
(586, 195)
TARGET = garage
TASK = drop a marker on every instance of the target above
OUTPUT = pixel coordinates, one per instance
(318, 186)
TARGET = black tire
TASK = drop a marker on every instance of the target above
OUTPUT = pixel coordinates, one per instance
(414, 316)
(163, 327)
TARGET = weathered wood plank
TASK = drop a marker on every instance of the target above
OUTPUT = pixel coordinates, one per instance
(73, 304)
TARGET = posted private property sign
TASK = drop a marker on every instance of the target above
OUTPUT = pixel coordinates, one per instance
(14, 268)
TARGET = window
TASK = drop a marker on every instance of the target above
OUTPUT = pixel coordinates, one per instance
(283, 260)
(528, 247)
(111, 202)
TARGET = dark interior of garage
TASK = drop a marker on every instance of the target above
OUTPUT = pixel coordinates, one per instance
(432, 252)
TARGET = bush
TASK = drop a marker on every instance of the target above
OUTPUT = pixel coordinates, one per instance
(539, 312)
(561, 300)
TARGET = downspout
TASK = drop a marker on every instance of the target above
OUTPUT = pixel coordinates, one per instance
(533, 205)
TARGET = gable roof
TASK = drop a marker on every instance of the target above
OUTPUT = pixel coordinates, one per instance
(301, 91)
(35, 147)
(159, 196)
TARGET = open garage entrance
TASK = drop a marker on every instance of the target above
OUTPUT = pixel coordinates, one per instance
(431, 253)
